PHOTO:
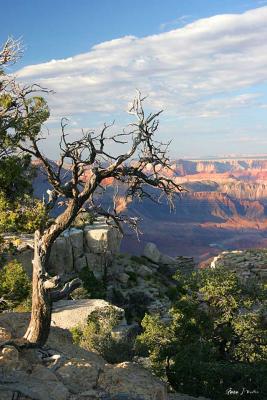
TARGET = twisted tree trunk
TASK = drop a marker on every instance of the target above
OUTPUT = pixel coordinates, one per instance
(38, 329)
(45, 291)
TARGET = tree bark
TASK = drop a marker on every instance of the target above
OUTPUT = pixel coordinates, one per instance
(45, 291)
(38, 329)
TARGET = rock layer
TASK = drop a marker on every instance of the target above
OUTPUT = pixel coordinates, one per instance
(93, 246)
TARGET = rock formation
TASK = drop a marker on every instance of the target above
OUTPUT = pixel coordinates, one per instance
(68, 314)
(143, 284)
(63, 371)
(248, 264)
(93, 246)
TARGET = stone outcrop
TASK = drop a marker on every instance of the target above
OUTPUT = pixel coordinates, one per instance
(152, 252)
(251, 263)
(143, 284)
(132, 379)
(93, 246)
(69, 313)
(64, 371)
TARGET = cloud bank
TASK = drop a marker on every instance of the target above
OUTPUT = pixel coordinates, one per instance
(203, 69)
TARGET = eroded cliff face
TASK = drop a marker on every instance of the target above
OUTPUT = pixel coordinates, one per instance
(245, 190)
(92, 246)
(234, 188)
(248, 264)
(187, 167)
(225, 206)
(200, 208)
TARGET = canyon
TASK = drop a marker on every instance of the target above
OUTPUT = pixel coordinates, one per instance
(223, 207)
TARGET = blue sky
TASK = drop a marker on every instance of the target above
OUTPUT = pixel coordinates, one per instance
(203, 62)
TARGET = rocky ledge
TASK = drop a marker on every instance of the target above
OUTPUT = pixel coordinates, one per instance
(90, 245)
(63, 371)
(250, 263)
(144, 283)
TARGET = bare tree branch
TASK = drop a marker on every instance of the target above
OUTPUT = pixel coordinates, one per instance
(57, 295)
(139, 171)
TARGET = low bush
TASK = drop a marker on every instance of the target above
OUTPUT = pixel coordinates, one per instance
(83, 218)
(15, 286)
(214, 344)
(92, 288)
(25, 215)
(97, 335)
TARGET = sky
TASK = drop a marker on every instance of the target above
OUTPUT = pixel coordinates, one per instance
(204, 62)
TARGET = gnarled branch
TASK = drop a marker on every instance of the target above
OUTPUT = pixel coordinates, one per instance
(57, 295)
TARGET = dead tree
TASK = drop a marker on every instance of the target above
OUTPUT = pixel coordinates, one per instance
(90, 153)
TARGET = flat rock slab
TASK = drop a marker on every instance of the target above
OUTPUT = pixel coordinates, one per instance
(69, 313)
(133, 380)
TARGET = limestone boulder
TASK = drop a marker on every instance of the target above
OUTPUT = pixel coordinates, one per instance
(152, 252)
(61, 257)
(123, 278)
(14, 324)
(132, 380)
(49, 382)
(144, 271)
(33, 381)
(94, 245)
(79, 375)
(10, 353)
(100, 238)
(69, 313)
(60, 340)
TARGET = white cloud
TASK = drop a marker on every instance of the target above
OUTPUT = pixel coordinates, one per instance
(180, 70)
(182, 20)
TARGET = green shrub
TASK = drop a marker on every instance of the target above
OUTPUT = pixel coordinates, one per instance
(15, 285)
(132, 276)
(97, 336)
(80, 293)
(25, 215)
(172, 293)
(84, 218)
(25, 305)
(214, 340)
(94, 288)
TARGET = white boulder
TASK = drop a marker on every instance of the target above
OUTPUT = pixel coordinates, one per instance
(152, 252)
(131, 379)
(69, 313)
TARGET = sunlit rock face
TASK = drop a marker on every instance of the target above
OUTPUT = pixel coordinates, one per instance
(68, 314)
(93, 246)
(68, 372)
(248, 264)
